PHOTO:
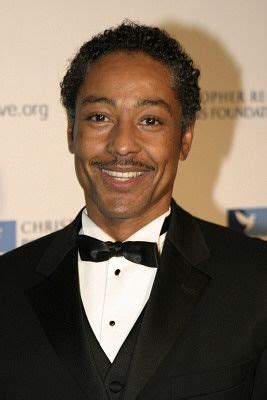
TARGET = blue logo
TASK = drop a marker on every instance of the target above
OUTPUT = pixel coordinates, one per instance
(251, 221)
(7, 236)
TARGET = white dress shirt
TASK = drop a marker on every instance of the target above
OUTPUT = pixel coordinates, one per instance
(114, 292)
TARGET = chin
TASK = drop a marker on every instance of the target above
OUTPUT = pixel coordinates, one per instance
(121, 209)
(120, 213)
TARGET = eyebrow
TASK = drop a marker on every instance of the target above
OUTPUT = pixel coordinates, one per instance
(96, 99)
(145, 102)
(155, 102)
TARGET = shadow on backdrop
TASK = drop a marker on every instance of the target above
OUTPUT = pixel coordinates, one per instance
(197, 177)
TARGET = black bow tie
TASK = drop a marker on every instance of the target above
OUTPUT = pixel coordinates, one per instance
(95, 250)
(145, 253)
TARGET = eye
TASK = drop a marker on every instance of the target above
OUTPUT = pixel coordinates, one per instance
(98, 118)
(151, 121)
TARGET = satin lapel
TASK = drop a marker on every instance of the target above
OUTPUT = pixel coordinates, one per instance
(57, 304)
(176, 291)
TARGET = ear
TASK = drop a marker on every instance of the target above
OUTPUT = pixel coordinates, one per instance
(186, 141)
(70, 136)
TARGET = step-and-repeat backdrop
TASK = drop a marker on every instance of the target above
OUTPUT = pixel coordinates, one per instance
(224, 179)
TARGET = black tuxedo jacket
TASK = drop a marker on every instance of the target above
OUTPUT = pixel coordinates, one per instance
(203, 334)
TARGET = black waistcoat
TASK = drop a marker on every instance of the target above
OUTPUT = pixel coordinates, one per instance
(113, 375)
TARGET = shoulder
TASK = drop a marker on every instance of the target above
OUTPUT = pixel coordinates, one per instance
(234, 250)
(19, 264)
(28, 250)
(220, 236)
(220, 242)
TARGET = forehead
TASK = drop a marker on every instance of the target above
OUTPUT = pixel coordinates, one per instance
(128, 74)
(138, 59)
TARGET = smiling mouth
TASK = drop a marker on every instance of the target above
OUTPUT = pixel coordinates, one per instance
(123, 176)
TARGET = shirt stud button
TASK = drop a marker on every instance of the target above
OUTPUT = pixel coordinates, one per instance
(117, 272)
(111, 323)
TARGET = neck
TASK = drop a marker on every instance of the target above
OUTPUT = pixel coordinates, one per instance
(121, 229)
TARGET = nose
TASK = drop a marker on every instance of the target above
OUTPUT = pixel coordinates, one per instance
(124, 139)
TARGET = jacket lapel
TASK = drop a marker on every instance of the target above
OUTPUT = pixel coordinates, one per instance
(179, 283)
(56, 301)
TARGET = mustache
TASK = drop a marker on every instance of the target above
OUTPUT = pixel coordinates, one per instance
(121, 162)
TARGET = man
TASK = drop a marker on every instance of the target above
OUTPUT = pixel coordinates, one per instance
(136, 299)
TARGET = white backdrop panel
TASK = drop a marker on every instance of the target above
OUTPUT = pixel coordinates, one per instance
(227, 166)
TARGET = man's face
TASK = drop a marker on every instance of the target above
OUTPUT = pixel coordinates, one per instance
(127, 138)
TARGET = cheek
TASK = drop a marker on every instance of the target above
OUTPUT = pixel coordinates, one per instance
(83, 136)
(85, 175)
(166, 151)
(173, 146)
(80, 168)
(86, 147)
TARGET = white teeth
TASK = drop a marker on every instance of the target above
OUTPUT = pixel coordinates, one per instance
(123, 175)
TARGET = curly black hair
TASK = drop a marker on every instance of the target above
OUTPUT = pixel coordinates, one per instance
(153, 41)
